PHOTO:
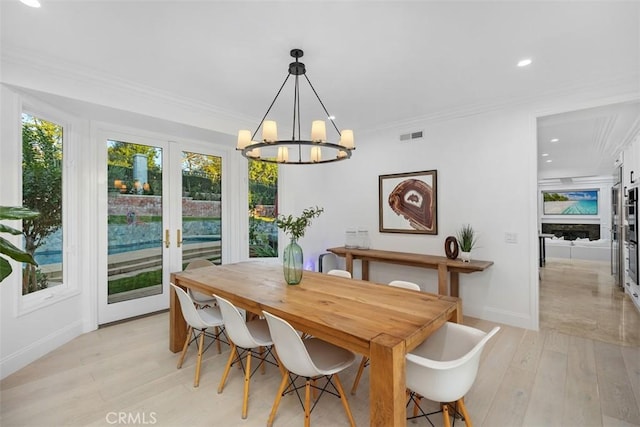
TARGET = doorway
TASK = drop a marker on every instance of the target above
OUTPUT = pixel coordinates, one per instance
(162, 208)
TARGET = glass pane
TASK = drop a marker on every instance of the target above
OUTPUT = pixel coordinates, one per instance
(135, 221)
(263, 209)
(42, 191)
(201, 207)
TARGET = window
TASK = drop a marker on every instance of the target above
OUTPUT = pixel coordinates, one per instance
(42, 171)
(263, 209)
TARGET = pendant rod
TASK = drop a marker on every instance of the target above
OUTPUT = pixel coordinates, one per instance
(269, 109)
(323, 107)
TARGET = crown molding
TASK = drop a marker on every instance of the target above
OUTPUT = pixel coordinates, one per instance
(102, 82)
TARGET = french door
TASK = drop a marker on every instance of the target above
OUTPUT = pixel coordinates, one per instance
(162, 208)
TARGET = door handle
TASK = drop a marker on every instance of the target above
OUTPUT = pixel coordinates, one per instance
(179, 237)
(166, 238)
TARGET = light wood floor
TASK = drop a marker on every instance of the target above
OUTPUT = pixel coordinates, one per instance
(581, 369)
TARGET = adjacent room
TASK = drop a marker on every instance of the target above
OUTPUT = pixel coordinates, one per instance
(247, 212)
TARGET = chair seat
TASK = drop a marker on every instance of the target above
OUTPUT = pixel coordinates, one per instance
(327, 357)
(259, 329)
(211, 316)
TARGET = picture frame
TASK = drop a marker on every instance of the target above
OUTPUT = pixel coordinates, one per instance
(408, 202)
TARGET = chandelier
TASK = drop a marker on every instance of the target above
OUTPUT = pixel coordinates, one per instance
(296, 150)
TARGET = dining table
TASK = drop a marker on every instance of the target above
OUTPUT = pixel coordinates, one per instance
(374, 320)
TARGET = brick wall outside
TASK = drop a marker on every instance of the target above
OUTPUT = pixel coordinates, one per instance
(122, 204)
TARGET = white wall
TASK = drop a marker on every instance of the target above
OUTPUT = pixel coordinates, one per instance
(484, 169)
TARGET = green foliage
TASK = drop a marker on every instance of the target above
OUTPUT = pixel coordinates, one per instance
(140, 280)
(466, 238)
(296, 227)
(41, 179)
(6, 247)
(554, 197)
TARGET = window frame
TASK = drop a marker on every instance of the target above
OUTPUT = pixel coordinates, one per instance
(70, 148)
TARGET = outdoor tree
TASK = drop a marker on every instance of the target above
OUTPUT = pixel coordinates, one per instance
(41, 186)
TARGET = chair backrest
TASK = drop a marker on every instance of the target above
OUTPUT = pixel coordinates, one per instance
(404, 284)
(444, 367)
(198, 263)
(235, 325)
(341, 273)
(291, 350)
(189, 311)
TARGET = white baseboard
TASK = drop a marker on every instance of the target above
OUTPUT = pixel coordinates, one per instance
(501, 316)
(31, 353)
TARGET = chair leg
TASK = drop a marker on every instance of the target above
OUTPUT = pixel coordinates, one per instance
(184, 347)
(227, 368)
(307, 403)
(463, 411)
(262, 367)
(196, 381)
(283, 385)
(247, 380)
(363, 363)
(343, 398)
(445, 414)
(416, 405)
(217, 331)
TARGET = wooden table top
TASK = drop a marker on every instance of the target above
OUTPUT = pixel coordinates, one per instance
(414, 259)
(347, 312)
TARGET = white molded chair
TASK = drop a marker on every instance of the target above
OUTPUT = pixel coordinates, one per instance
(200, 299)
(340, 273)
(444, 367)
(244, 338)
(311, 358)
(365, 360)
(405, 285)
(198, 319)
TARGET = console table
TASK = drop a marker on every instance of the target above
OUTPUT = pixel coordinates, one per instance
(448, 269)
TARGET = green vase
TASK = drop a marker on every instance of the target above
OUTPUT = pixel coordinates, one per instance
(292, 263)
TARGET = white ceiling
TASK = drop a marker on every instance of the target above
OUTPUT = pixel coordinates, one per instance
(375, 64)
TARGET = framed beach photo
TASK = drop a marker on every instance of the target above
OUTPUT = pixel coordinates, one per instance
(574, 202)
(408, 203)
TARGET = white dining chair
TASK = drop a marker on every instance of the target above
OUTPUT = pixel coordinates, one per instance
(199, 298)
(311, 359)
(198, 321)
(444, 367)
(365, 360)
(245, 337)
(339, 273)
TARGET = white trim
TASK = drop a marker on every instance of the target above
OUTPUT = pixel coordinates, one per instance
(21, 358)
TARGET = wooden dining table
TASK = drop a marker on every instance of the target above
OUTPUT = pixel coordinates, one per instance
(379, 321)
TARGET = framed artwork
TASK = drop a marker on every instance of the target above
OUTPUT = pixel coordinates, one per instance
(408, 203)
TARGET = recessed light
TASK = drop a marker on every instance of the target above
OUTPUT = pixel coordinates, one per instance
(524, 62)
(331, 117)
(555, 140)
(549, 161)
(31, 3)
(545, 154)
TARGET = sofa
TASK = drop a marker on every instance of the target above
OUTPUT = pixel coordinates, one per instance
(594, 250)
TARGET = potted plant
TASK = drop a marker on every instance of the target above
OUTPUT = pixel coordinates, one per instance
(466, 241)
(294, 228)
(8, 249)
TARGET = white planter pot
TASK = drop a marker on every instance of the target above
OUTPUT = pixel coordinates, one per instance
(465, 256)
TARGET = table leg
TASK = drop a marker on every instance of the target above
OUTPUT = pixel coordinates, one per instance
(177, 325)
(387, 381)
(348, 260)
(454, 277)
(365, 269)
(443, 286)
